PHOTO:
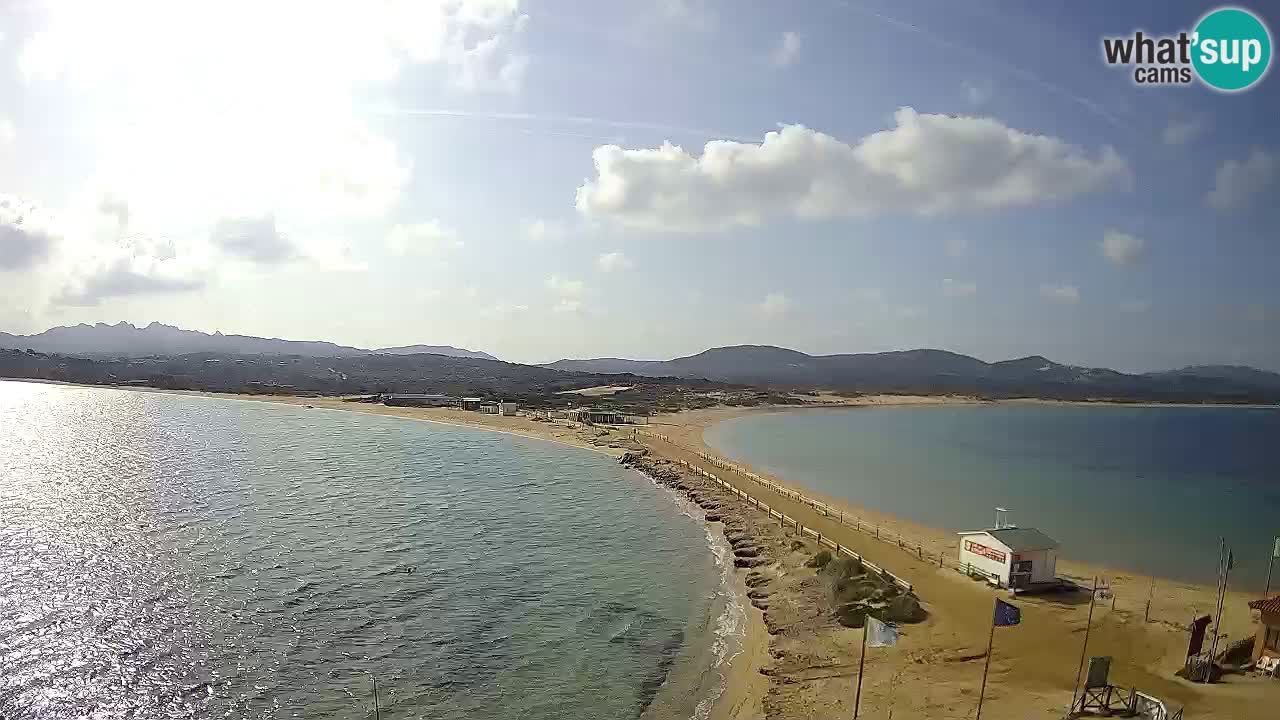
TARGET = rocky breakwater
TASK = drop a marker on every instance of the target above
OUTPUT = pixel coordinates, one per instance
(807, 595)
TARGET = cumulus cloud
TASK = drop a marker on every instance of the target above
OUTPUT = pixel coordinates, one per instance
(425, 238)
(27, 234)
(1121, 248)
(504, 309)
(1064, 294)
(1181, 132)
(539, 230)
(565, 287)
(256, 239)
(775, 304)
(787, 50)
(926, 164)
(1237, 182)
(954, 289)
(609, 262)
(132, 264)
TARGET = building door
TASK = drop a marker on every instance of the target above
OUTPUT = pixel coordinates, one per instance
(1020, 576)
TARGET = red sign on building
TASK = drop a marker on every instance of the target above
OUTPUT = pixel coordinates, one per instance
(984, 551)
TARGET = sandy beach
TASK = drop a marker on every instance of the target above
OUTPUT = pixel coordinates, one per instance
(1034, 665)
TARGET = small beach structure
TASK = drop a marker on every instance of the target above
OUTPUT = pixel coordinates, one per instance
(419, 400)
(470, 403)
(1266, 646)
(1010, 556)
(508, 409)
(596, 416)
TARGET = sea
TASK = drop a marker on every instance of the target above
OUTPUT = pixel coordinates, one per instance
(174, 556)
(1152, 490)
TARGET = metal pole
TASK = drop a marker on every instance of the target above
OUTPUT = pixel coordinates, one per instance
(990, 641)
(1217, 610)
(862, 661)
(377, 712)
(1217, 621)
(1270, 564)
(1088, 625)
(1151, 591)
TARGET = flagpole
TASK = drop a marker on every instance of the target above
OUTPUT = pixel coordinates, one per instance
(991, 640)
(1267, 592)
(1217, 622)
(1088, 625)
(857, 698)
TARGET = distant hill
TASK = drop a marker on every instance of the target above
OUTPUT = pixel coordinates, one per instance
(446, 350)
(940, 371)
(126, 340)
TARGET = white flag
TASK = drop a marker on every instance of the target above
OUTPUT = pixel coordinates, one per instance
(1275, 552)
(880, 634)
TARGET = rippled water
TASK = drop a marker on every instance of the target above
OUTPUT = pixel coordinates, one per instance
(1148, 489)
(172, 556)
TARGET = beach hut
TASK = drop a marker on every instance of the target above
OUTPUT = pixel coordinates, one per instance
(508, 409)
(1266, 648)
(1010, 556)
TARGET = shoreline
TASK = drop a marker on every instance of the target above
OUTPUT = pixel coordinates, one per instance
(1146, 652)
(1152, 648)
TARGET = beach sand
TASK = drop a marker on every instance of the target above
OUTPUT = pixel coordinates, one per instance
(935, 671)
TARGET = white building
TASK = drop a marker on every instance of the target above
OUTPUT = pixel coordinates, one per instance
(507, 409)
(1011, 556)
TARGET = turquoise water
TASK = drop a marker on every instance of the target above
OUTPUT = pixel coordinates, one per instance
(171, 556)
(1147, 489)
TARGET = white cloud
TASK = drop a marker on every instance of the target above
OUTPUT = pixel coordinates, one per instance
(1065, 294)
(1121, 248)
(775, 304)
(256, 239)
(954, 289)
(1237, 182)
(1181, 132)
(787, 50)
(424, 238)
(1135, 306)
(539, 230)
(565, 287)
(957, 247)
(567, 305)
(504, 309)
(693, 13)
(7, 132)
(28, 234)
(609, 262)
(927, 164)
(977, 92)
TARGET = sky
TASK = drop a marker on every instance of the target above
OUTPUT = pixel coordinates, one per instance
(565, 178)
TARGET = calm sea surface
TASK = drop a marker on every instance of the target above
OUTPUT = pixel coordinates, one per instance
(170, 556)
(1137, 488)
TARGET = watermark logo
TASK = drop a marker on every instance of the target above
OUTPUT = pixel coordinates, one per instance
(1228, 50)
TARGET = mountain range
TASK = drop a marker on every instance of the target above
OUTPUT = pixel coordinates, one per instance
(915, 371)
(938, 371)
(126, 340)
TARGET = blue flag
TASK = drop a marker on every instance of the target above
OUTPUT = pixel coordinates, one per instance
(1006, 614)
(880, 634)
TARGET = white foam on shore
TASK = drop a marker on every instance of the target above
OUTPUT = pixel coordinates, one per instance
(731, 625)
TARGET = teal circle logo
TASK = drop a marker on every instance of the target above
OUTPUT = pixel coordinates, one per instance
(1231, 49)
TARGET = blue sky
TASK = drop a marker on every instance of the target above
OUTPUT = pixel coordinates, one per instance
(492, 174)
